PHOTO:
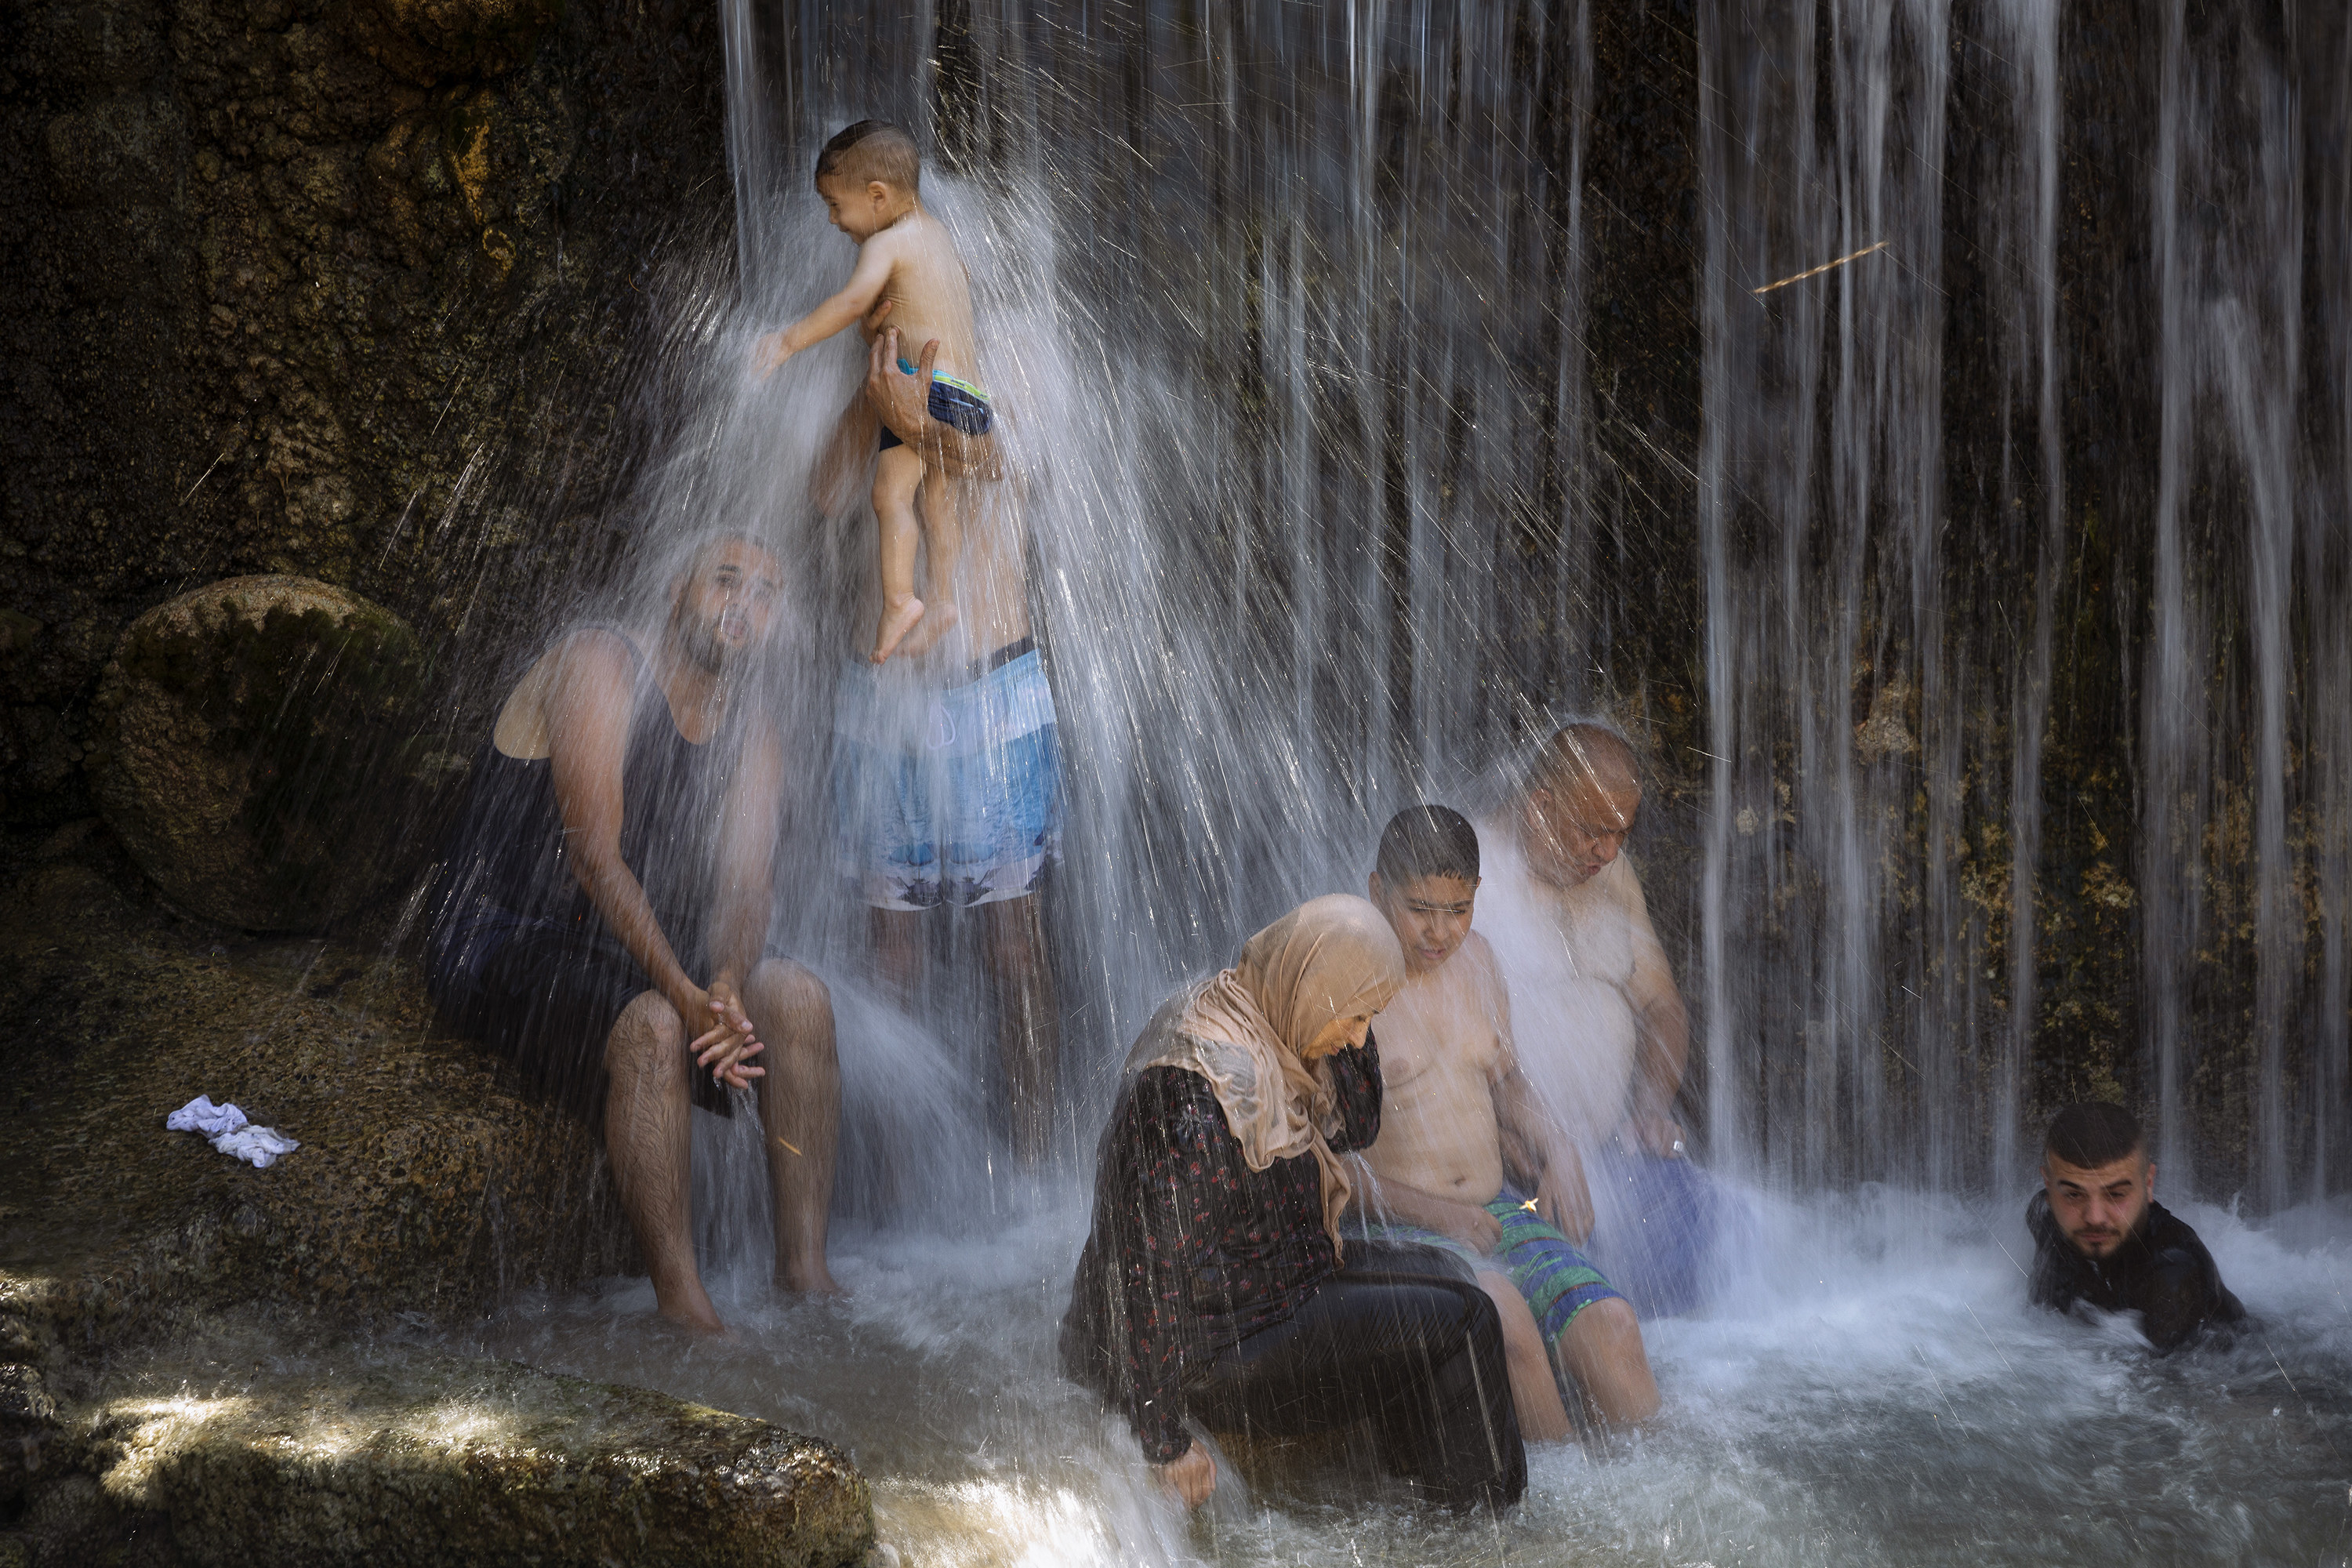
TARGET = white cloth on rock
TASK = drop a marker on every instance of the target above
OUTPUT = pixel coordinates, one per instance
(225, 1127)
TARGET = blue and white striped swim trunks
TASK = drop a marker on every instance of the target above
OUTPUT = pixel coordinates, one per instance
(946, 797)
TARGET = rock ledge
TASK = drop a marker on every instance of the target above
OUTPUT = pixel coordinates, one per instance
(407, 1457)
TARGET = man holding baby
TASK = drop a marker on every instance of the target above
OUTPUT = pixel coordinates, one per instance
(947, 772)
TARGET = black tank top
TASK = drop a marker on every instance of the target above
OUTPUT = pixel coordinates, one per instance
(506, 856)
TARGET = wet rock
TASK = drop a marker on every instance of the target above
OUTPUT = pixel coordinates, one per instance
(177, 1378)
(1886, 732)
(423, 1187)
(257, 744)
(23, 1403)
(275, 307)
(429, 41)
(412, 1457)
(28, 1420)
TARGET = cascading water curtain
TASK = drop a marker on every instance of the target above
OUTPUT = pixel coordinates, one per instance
(1282, 304)
(1896, 631)
(2246, 681)
(1839, 1022)
(2015, 548)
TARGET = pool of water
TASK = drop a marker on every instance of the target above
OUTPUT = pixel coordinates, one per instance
(1871, 1389)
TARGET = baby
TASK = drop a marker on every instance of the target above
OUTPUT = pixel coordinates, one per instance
(868, 176)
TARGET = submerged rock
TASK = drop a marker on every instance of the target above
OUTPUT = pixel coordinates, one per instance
(414, 1458)
(260, 753)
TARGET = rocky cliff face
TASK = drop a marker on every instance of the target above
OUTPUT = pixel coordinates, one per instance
(294, 282)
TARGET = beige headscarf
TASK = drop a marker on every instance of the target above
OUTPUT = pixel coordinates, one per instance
(1333, 957)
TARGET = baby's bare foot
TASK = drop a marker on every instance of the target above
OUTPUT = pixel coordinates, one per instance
(895, 625)
(939, 619)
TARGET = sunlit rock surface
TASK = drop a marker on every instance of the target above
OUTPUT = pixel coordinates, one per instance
(408, 1457)
(260, 751)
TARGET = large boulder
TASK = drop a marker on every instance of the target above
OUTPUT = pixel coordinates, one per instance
(259, 751)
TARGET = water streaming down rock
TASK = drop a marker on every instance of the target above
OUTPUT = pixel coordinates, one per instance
(1289, 310)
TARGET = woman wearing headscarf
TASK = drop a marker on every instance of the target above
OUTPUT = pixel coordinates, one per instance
(1215, 1286)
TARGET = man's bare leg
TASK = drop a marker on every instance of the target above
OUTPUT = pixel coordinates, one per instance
(897, 938)
(1028, 1030)
(1534, 1390)
(897, 474)
(1603, 1352)
(649, 1136)
(800, 1109)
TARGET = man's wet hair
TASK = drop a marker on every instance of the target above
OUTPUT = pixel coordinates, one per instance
(2090, 1134)
(1427, 841)
(872, 150)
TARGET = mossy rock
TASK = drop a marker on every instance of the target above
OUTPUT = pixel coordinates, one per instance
(260, 751)
(397, 1457)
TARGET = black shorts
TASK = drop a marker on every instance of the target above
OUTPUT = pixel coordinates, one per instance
(545, 994)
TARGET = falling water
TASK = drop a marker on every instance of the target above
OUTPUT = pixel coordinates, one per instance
(1314, 379)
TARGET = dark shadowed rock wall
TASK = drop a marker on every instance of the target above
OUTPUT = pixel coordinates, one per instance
(292, 284)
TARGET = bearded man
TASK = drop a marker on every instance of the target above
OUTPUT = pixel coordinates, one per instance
(2101, 1239)
(601, 912)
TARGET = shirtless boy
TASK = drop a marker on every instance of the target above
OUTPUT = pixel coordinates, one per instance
(908, 273)
(1454, 1110)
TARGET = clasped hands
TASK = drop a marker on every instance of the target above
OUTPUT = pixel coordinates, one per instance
(729, 1042)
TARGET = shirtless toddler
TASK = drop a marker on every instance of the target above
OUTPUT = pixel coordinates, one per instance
(907, 267)
(1454, 1111)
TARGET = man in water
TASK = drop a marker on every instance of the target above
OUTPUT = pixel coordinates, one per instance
(948, 781)
(1454, 1111)
(2101, 1239)
(1602, 1034)
(601, 911)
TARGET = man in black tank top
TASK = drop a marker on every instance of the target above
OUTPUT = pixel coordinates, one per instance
(2101, 1239)
(602, 913)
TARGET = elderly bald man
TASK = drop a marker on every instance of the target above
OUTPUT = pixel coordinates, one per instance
(1603, 1033)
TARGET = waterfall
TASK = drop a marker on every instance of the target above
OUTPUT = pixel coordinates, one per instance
(1983, 604)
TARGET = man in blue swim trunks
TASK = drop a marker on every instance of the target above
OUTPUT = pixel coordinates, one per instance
(947, 771)
(1455, 1113)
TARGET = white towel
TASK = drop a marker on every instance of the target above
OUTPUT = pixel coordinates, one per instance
(226, 1129)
